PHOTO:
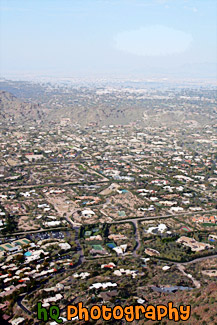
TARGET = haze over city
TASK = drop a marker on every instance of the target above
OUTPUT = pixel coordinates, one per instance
(115, 38)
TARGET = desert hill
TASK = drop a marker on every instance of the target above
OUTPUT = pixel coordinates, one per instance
(13, 109)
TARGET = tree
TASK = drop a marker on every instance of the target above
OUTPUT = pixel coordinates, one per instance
(11, 224)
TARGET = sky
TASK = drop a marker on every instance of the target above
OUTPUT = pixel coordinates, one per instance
(109, 38)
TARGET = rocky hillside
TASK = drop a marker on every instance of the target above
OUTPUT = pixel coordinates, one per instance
(192, 107)
(11, 108)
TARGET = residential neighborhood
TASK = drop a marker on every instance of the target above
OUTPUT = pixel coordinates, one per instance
(115, 214)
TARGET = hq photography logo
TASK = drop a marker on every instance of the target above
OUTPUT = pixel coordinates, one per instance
(129, 313)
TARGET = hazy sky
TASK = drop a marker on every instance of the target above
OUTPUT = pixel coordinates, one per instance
(109, 37)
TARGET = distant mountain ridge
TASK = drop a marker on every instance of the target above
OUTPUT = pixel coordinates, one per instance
(87, 106)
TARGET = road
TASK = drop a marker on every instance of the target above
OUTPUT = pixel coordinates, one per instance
(35, 231)
(198, 260)
(135, 222)
(137, 238)
(181, 268)
(45, 280)
(80, 260)
(80, 250)
(5, 189)
(161, 176)
(19, 302)
(165, 216)
(76, 227)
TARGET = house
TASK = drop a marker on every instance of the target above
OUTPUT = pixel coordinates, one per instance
(88, 213)
(117, 237)
(102, 285)
(82, 275)
(108, 266)
(176, 209)
(120, 250)
(212, 238)
(193, 244)
(161, 228)
(205, 219)
(151, 252)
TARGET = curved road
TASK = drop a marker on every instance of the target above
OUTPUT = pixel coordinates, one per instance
(137, 238)
(198, 260)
